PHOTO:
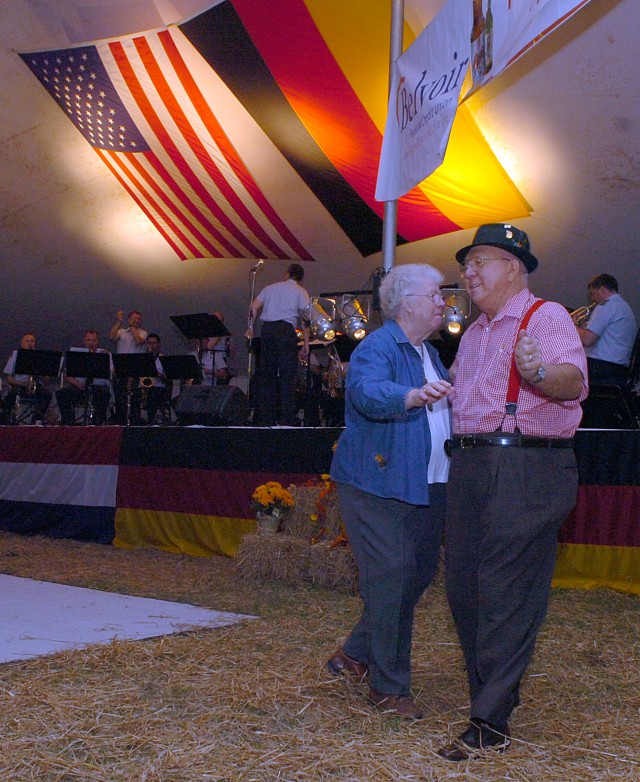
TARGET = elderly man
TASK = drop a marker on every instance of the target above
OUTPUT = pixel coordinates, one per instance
(25, 387)
(520, 374)
(610, 332)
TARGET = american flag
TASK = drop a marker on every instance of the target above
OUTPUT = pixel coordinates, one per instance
(136, 102)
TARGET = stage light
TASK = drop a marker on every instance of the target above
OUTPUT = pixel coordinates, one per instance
(457, 310)
(352, 318)
(321, 323)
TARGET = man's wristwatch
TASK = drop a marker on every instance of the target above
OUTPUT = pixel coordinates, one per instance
(540, 375)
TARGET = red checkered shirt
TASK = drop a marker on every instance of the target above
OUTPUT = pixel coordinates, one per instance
(483, 364)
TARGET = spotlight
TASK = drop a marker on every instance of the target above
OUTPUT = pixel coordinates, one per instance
(320, 322)
(352, 317)
(457, 311)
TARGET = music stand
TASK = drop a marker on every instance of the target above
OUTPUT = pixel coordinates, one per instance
(180, 367)
(134, 365)
(200, 325)
(91, 366)
(81, 362)
(38, 363)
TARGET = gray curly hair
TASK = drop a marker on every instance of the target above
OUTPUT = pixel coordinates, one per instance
(402, 280)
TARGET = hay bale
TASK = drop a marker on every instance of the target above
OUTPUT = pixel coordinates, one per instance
(297, 521)
(294, 561)
(333, 568)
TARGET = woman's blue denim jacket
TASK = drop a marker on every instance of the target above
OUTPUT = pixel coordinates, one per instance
(384, 449)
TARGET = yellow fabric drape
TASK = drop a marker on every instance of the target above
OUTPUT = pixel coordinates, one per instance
(581, 566)
(180, 533)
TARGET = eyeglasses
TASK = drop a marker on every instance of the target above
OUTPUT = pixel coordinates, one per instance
(432, 296)
(478, 264)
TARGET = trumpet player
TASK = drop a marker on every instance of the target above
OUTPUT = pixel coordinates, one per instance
(129, 339)
(26, 386)
(156, 389)
(609, 333)
(75, 391)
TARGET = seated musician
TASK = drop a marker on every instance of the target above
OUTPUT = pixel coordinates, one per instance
(156, 389)
(221, 348)
(25, 386)
(213, 355)
(75, 391)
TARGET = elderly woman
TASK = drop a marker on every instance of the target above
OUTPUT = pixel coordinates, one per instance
(390, 468)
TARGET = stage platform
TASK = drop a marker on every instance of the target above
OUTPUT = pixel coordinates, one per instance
(187, 490)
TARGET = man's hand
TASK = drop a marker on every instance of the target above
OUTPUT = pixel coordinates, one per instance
(528, 356)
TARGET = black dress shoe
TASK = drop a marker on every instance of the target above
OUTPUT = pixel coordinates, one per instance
(476, 739)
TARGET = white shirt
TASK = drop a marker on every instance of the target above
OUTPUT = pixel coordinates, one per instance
(127, 344)
(439, 425)
(283, 301)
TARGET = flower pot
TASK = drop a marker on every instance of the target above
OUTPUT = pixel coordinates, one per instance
(267, 524)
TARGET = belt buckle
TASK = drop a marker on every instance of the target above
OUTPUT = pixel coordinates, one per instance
(467, 441)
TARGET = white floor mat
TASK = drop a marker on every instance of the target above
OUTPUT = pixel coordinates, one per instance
(38, 617)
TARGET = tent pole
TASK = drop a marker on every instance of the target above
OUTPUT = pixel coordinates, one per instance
(390, 216)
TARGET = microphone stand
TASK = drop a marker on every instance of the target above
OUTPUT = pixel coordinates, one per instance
(252, 286)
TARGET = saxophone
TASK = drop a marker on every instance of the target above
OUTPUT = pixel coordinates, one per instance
(335, 378)
(145, 384)
(32, 384)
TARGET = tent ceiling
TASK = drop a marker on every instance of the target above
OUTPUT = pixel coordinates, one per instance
(564, 121)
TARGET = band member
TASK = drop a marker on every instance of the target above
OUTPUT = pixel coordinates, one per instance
(157, 390)
(280, 306)
(77, 389)
(131, 339)
(221, 348)
(25, 386)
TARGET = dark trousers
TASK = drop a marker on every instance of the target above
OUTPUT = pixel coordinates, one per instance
(607, 372)
(397, 549)
(505, 507)
(278, 366)
(40, 400)
(157, 399)
(70, 396)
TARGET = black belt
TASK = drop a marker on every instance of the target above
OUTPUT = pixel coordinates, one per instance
(506, 439)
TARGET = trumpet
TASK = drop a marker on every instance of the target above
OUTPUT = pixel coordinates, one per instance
(580, 315)
(146, 382)
(32, 385)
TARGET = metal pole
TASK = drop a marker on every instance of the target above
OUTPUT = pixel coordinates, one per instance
(250, 324)
(390, 217)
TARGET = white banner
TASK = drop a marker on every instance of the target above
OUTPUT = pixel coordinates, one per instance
(426, 84)
(503, 30)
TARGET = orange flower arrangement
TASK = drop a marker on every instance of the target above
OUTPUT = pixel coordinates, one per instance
(272, 499)
(318, 519)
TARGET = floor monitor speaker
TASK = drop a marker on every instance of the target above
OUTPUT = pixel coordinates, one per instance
(212, 406)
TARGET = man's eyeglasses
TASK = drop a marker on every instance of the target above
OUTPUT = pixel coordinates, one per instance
(432, 296)
(478, 264)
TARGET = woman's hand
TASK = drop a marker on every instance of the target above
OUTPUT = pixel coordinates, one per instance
(428, 394)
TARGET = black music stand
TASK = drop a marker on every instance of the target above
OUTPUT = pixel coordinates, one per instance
(38, 363)
(129, 365)
(180, 367)
(91, 366)
(200, 325)
(81, 362)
